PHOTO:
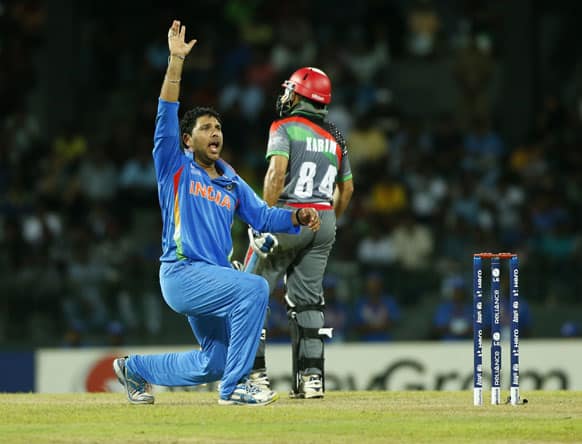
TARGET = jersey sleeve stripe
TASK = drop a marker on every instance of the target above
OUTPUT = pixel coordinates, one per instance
(345, 178)
(177, 216)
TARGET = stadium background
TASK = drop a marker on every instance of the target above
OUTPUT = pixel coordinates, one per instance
(464, 123)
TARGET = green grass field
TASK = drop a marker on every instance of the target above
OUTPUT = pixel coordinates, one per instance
(342, 417)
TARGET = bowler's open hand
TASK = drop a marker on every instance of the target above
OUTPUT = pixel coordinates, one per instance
(176, 40)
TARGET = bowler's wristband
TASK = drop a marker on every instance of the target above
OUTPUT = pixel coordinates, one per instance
(297, 216)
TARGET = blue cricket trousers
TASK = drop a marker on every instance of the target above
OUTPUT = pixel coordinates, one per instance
(226, 309)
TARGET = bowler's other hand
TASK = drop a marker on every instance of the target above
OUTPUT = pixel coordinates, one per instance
(176, 40)
(309, 217)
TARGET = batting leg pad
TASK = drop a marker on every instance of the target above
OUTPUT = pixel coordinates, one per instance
(260, 362)
(307, 346)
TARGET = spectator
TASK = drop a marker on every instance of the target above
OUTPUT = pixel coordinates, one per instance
(388, 196)
(453, 317)
(368, 145)
(84, 305)
(367, 55)
(337, 314)
(294, 46)
(483, 146)
(413, 243)
(375, 248)
(137, 179)
(424, 25)
(474, 70)
(571, 329)
(376, 313)
(427, 192)
(97, 178)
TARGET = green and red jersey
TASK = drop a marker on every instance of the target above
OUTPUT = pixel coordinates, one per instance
(317, 154)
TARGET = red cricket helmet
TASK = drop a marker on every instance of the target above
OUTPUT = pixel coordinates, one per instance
(311, 83)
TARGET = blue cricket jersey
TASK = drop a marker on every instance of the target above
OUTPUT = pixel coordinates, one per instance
(198, 211)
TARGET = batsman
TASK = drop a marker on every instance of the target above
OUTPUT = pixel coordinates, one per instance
(308, 167)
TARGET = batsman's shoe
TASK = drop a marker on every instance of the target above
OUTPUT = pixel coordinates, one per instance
(246, 393)
(137, 388)
(311, 387)
(260, 378)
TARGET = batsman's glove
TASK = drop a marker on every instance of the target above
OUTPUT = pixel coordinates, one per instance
(262, 243)
(237, 265)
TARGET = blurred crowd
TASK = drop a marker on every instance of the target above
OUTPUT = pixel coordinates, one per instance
(416, 92)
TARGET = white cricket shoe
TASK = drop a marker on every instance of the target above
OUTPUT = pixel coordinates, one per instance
(246, 393)
(311, 386)
(260, 378)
